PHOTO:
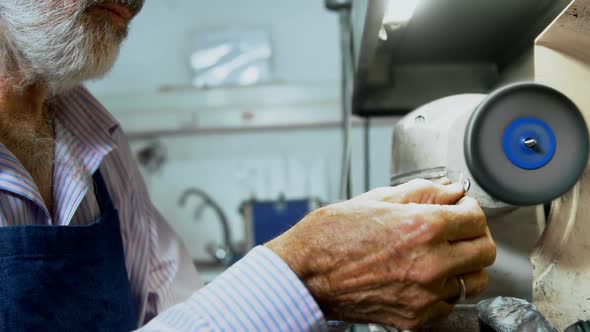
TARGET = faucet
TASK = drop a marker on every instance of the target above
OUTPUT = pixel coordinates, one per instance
(222, 254)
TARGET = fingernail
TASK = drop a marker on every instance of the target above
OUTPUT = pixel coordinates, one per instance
(455, 186)
(444, 181)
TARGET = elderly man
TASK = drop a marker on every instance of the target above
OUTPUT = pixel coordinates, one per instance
(83, 249)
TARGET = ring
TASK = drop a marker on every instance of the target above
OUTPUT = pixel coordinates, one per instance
(462, 291)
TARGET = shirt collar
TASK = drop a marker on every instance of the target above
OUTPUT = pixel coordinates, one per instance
(89, 122)
(84, 116)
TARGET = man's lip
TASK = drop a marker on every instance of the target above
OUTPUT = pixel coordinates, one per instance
(118, 10)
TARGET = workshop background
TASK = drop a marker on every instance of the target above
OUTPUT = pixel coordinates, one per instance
(278, 139)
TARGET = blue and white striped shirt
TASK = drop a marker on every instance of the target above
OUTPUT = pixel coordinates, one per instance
(259, 293)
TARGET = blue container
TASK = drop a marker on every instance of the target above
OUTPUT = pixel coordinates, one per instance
(266, 220)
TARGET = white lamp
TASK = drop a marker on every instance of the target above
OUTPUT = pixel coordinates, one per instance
(397, 12)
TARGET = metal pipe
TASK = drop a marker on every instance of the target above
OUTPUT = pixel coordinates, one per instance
(367, 152)
(347, 94)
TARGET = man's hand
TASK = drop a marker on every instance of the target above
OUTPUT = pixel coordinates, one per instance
(391, 256)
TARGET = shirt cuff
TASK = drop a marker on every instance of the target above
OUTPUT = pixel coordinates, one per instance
(259, 293)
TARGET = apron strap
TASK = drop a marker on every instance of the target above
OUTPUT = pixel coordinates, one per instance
(103, 197)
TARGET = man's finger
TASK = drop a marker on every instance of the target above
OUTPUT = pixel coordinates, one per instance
(470, 256)
(427, 192)
(464, 221)
(417, 191)
(475, 283)
(444, 181)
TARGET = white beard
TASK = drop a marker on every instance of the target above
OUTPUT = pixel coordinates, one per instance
(56, 43)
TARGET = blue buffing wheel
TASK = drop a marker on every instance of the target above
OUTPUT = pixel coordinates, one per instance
(529, 143)
(526, 144)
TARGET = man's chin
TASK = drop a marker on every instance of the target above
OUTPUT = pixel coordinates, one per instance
(100, 55)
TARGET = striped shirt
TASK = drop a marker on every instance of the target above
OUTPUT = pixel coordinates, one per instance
(259, 293)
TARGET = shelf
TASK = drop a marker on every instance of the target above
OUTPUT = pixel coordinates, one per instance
(192, 99)
(226, 110)
(448, 47)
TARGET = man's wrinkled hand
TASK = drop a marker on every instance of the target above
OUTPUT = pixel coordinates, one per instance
(393, 255)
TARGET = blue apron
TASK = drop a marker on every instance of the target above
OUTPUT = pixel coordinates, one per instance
(66, 278)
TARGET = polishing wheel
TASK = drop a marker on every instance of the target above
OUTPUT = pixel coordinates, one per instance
(526, 144)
